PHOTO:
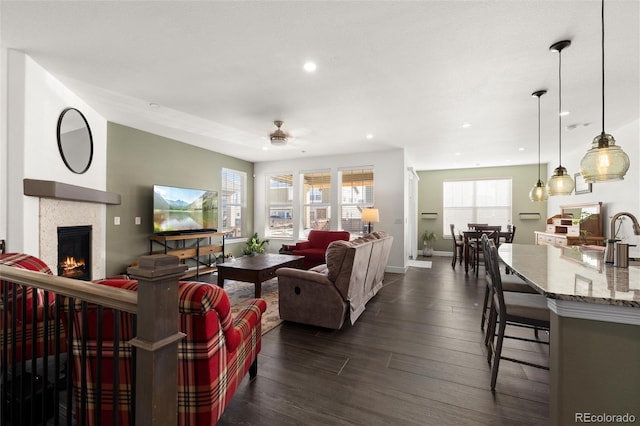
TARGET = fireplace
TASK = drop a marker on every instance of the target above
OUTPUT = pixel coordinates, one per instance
(74, 252)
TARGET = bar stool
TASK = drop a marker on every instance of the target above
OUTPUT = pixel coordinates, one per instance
(514, 309)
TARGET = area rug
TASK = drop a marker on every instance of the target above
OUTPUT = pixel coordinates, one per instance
(420, 263)
(240, 292)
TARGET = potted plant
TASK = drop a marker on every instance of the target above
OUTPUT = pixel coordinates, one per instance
(428, 237)
(224, 257)
(254, 245)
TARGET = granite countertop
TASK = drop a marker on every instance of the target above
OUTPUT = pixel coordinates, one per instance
(574, 273)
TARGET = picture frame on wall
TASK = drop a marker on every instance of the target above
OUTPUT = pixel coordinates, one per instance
(582, 187)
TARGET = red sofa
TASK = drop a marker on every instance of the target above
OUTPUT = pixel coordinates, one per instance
(315, 247)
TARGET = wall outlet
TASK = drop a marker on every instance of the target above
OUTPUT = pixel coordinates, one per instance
(137, 220)
(116, 220)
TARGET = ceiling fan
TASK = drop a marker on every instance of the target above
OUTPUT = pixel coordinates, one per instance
(278, 137)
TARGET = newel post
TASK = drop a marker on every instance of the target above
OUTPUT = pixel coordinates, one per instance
(157, 339)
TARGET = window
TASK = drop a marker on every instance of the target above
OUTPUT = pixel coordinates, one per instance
(316, 199)
(280, 205)
(356, 194)
(476, 201)
(234, 194)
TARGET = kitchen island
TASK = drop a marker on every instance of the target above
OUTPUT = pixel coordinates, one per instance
(595, 330)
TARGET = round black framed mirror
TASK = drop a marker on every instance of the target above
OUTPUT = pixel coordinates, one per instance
(75, 141)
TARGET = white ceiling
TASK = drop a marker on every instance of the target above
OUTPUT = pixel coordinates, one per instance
(408, 72)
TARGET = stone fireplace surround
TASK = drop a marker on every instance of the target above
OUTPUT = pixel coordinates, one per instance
(68, 205)
(55, 213)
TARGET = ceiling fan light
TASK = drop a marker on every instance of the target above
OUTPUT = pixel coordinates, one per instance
(605, 161)
(278, 137)
(560, 183)
(539, 192)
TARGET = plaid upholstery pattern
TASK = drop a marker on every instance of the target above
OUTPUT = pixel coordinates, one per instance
(213, 358)
(24, 337)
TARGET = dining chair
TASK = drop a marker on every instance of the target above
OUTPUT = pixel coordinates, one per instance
(458, 247)
(513, 309)
(508, 238)
(473, 226)
(475, 244)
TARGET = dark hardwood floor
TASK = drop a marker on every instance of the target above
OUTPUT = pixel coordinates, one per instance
(416, 356)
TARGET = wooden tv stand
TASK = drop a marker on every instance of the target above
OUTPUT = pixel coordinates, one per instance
(199, 247)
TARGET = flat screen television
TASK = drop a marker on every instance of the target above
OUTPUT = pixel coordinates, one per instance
(184, 210)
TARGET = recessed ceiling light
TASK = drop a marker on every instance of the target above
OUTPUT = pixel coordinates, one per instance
(521, 149)
(458, 154)
(466, 125)
(369, 136)
(264, 148)
(310, 66)
(564, 113)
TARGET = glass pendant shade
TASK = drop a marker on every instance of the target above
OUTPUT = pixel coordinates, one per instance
(560, 183)
(605, 161)
(539, 192)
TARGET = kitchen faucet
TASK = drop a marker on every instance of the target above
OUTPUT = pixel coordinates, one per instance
(610, 255)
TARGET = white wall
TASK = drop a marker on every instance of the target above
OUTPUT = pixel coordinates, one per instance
(389, 193)
(615, 196)
(35, 100)
(3, 144)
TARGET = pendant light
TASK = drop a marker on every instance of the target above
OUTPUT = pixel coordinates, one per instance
(539, 191)
(560, 183)
(605, 161)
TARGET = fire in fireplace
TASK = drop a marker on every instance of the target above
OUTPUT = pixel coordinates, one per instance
(74, 252)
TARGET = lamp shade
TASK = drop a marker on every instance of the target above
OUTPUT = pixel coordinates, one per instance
(560, 183)
(539, 192)
(605, 161)
(370, 215)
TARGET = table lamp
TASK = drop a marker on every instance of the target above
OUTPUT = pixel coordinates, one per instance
(370, 216)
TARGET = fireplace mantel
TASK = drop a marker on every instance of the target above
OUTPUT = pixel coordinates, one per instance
(64, 191)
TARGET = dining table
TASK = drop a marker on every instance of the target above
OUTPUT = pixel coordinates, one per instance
(471, 235)
(594, 351)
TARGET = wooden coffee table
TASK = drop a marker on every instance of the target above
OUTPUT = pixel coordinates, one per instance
(256, 269)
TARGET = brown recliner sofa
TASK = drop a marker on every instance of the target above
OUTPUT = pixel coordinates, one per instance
(327, 294)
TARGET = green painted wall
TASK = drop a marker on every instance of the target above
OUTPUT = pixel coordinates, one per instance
(523, 178)
(135, 161)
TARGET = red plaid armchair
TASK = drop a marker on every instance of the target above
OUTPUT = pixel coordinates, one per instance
(24, 337)
(213, 358)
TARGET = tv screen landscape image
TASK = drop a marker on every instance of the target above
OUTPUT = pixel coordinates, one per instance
(177, 210)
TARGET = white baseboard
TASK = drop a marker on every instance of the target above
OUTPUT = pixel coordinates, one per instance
(440, 253)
